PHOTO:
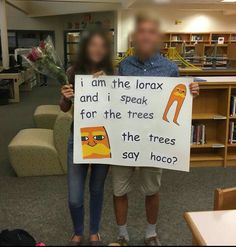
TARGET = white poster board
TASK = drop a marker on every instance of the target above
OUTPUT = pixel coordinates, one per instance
(133, 121)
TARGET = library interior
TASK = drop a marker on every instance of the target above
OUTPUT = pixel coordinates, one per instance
(198, 37)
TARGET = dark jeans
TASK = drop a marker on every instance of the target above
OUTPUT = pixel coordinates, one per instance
(76, 182)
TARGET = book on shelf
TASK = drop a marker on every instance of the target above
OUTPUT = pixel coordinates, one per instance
(218, 145)
(199, 79)
(198, 134)
(221, 40)
(219, 117)
(233, 38)
(176, 38)
(197, 38)
(233, 105)
(232, 132)
(215, 38)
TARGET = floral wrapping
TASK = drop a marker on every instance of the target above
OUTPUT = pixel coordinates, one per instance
(45, 60)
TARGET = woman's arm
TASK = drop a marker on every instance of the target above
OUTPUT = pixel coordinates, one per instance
(65, 105)
(67, 93)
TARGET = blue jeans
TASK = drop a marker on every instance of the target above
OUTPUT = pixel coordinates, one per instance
(76, 183)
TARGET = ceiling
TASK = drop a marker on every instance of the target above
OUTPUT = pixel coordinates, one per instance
(193, 1)
(35, 8)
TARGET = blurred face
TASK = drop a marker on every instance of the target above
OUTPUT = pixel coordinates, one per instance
(97, 49)
(146, 38)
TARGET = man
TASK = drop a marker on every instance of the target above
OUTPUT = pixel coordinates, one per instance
(146, 62)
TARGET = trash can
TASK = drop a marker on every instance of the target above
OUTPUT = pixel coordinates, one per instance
(4, 91)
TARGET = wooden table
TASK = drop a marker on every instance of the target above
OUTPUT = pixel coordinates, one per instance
(18, 79)
(213, 227)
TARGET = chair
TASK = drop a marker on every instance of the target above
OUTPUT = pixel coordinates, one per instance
(41, 152)
(45, 116)
(225, 199)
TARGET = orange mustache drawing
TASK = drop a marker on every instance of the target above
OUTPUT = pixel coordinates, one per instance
(177, 95)
(95, 143)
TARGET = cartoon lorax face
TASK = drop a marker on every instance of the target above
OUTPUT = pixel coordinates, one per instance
(180, 91)
(95, 143)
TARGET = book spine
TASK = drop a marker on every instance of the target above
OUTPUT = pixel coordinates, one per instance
(192, 134)
(234, 106)
(231, 132)
(198, 134)
(203, 134)
(234, 133)
(195, 135)
(231, 106)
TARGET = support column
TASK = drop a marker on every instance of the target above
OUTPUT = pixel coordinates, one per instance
(4, 34)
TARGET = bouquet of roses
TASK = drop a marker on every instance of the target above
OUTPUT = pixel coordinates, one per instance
(45, 60)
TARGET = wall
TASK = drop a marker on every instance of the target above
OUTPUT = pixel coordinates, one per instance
(96, 16)
(108, 18)
(192, 21)
(18, 20)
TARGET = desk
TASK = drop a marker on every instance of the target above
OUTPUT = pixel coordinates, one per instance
(212, 227)
(19, 79)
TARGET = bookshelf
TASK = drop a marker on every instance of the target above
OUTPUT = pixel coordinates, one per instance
(174, 39)
(201, 49)
(212, 108)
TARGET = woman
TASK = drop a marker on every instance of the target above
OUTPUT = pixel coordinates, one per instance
(94, 58)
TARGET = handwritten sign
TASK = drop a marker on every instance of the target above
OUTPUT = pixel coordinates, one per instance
(133, 121)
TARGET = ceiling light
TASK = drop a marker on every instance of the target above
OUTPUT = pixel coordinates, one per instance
(162, 1)
(228, 1)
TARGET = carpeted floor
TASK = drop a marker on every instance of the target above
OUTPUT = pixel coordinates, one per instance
(39, 205)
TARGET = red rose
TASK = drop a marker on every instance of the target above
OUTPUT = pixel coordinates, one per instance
(42, 45)
(30, 57)
(35, 54)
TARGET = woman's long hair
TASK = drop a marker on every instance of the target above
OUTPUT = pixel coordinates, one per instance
(83, 64)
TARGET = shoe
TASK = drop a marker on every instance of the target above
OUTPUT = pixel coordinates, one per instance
(75, 243)
(153, 241)
(97, 242)
(122, 241)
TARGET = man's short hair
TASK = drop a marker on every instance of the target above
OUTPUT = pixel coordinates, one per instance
(143, 17)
